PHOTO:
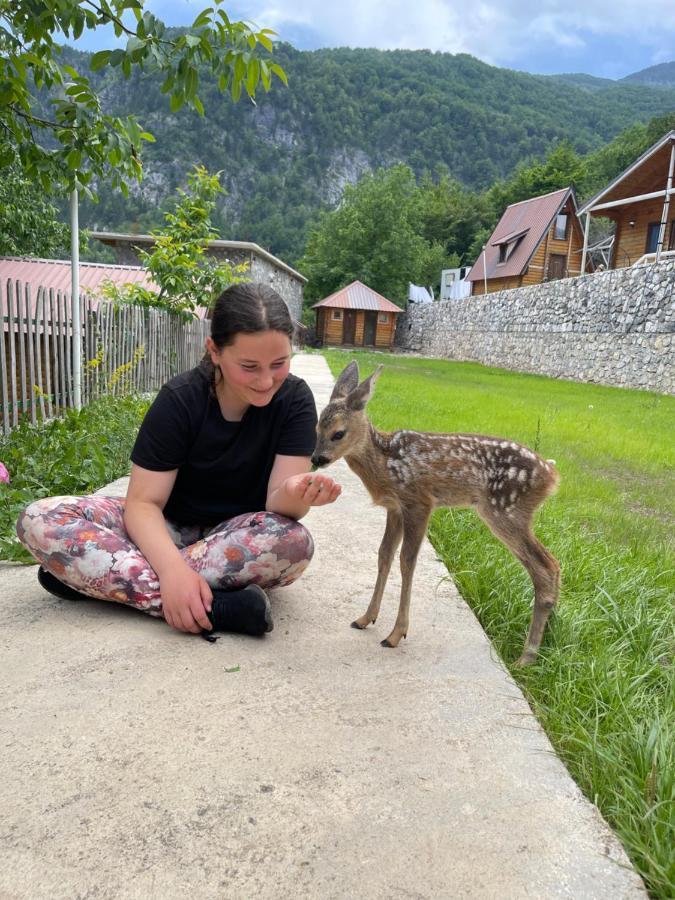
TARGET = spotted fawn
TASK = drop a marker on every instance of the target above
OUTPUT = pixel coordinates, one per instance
(411, 472)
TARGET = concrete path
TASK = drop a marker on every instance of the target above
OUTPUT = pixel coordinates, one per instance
(141, 763)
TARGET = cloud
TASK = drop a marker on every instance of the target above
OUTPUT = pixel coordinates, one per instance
(600, 37)
(498, 31)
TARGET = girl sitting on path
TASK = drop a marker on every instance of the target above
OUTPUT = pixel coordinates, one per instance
(220, 476)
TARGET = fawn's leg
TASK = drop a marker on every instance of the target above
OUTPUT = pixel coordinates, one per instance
(542, 567)
(390, 541)
(414, 529)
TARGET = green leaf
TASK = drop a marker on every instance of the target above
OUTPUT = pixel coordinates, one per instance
(7, 155)
(74, 159)
(204, 17)
(135, 43)
(279, 72)
(99, 60)
(176, 101)
(191, 83)
(253, 76)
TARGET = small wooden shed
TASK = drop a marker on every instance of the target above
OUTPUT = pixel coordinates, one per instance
(356, 316)
(641, 201)
(535, 240)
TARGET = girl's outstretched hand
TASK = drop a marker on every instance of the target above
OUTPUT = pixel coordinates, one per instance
(313, 488)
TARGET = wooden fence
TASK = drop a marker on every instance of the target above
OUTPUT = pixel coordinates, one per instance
(124, 349)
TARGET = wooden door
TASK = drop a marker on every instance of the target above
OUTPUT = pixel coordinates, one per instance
(557, 266)
(349, 326)
(370, 329)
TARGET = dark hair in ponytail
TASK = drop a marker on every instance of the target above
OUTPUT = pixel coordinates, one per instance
(246, 308)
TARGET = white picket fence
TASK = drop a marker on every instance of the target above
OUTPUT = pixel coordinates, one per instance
(124, 349)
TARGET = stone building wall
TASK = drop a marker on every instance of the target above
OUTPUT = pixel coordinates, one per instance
(264, 270)
(615, 327)
(261, 268)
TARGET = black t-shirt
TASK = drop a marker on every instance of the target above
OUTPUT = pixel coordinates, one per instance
(223, 467)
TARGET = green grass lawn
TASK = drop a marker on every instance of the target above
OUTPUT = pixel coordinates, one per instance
(604, 688)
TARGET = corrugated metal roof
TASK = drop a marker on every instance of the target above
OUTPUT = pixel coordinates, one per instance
(55, 273)
(529, 218)
(358, 296)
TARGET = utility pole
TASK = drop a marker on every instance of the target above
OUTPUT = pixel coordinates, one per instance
(75, 300)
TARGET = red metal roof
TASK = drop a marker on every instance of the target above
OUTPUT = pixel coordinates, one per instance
(358, 296)
(528, 220)
(55, 273)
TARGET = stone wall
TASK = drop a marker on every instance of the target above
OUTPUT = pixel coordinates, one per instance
(264, 270)
(615, 327)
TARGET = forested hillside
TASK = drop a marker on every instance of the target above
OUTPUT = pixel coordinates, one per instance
(347, 112)
(662, 75)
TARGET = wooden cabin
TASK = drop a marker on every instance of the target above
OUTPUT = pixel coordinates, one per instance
(356, 316)
(641, 201)
(535, 240)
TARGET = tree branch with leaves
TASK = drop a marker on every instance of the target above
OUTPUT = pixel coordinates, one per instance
(80, 143)
(187, 277)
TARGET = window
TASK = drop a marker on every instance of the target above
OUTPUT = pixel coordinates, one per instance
(653, 230)
(508, 248)
(561, 222)
(337, 314)
(652, 237)
(383, 318)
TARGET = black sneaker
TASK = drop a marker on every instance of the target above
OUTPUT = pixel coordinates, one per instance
(246, 611)
(53, 586)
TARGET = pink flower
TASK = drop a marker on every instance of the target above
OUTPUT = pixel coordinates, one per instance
(4, 474)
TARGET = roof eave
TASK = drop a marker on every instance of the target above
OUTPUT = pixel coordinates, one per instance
(217, 242)
(588, 206)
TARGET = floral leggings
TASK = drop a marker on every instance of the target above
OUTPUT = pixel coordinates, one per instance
(83, 542)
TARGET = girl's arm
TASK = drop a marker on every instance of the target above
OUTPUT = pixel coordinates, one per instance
(186, 597)
(293, 487)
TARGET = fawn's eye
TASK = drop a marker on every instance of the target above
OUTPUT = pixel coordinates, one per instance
(337, 436)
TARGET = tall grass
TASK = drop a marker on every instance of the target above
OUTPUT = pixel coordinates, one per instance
(604, 688)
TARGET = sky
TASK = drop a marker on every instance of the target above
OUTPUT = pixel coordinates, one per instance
(606, 38)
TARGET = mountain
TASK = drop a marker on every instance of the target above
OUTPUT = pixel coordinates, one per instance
(348, 111)
(660, 76)
(587, 82)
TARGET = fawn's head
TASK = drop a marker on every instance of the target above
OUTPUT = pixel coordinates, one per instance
(343, 425)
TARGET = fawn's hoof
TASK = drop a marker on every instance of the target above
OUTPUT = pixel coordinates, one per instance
(526, 659)
(357, 624)
(387, 642)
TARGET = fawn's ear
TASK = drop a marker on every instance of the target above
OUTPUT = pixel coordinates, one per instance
(347, 381)
(358, 398)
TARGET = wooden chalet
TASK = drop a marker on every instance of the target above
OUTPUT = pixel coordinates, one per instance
(356, 316)
(535, 240)
(641, 201)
